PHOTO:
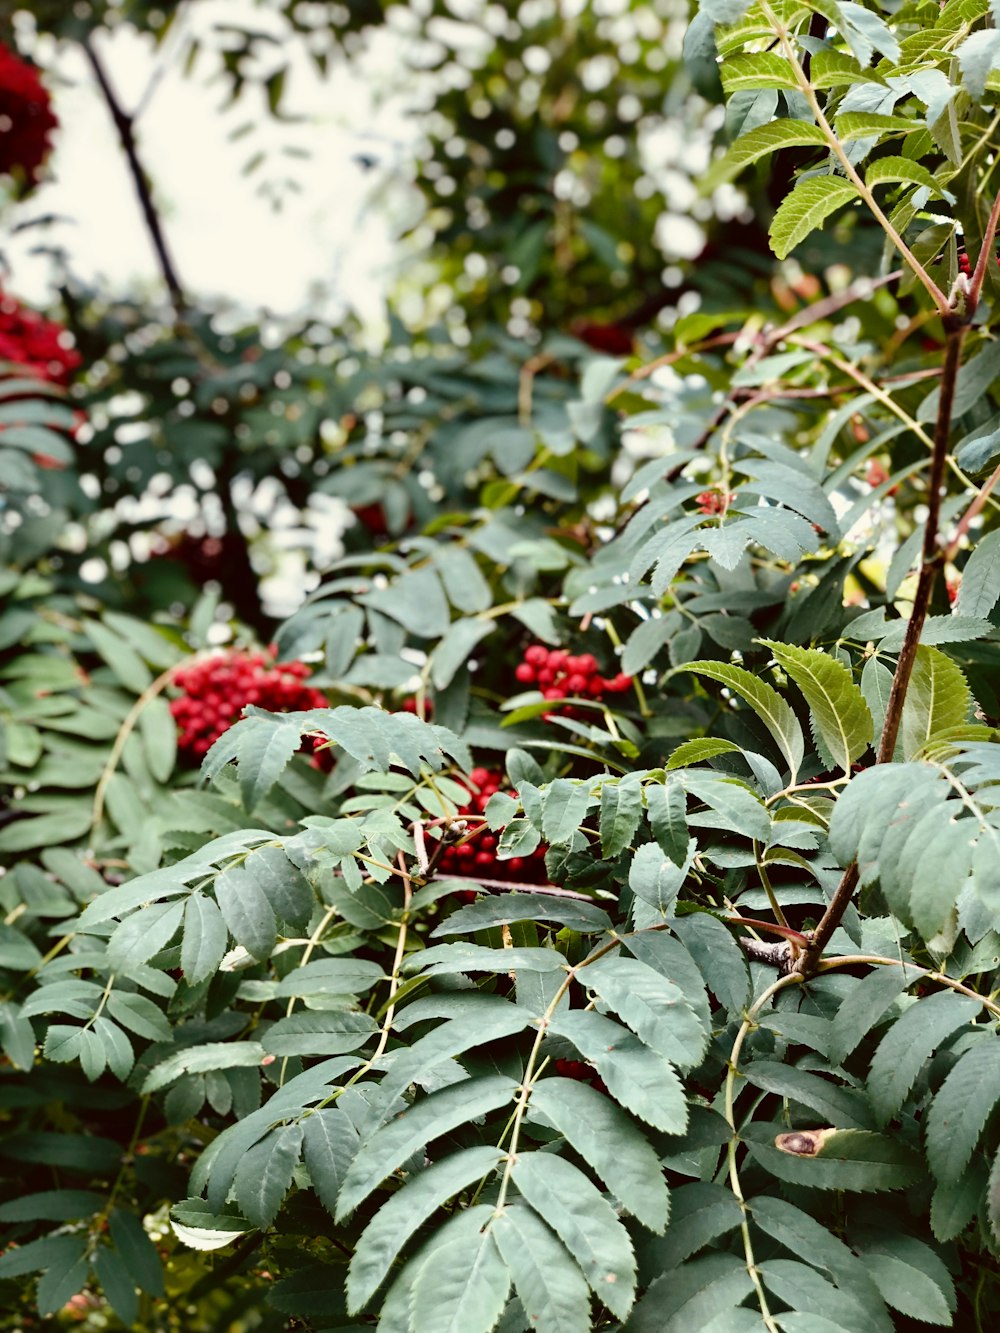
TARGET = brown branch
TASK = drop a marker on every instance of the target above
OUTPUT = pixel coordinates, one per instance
(932, 558)
(123, 123)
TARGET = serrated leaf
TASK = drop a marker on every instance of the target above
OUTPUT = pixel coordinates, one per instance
(136, 1248)
(865, 1005)
(247, 911)
(113, 1275)
(910, 1277)
(637, 1077)
(205, 939)
(587, 918)
(758, 143)
(318, 1033)
(282, 883)
(264, 1175)
(978, 56)
(139, 1015)
(124, 661)
(937, 699)
(961, 1109)
(839, 713)
(329, 1143)
(909, 1043)
(405, 1212)
(979, 590)
(854, 1160)
(833, 1104)
(565, 806)
(769, 706)
(584, 1221)
(807, 207)
(712, 946)
(609, 1143)
(549, 1285)
(885, 169)
(427, 1118)
(200, 1059)
(654, 878)
(763, 69)
(703, 1294)
(667, 813)
(52, 1206)
(621, 814)
(653, 1007)
(145, 933)
(462, 1284)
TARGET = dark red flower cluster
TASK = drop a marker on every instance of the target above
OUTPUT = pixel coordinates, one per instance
(26, 117)
(30, 340)
(560, 675)
(217, 689)
(714, 502)
(478, 855)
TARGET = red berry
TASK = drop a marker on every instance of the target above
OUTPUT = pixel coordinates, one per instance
(536, 655)
(524, 673)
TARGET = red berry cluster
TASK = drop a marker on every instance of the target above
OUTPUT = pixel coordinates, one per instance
(217, 690)
(26, 117)
(33, 341)
(714, 502)
(559, 675)
(478, 855)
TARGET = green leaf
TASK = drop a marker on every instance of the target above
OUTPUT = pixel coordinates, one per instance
(758, 143)
(114, 1276)
(58, 1285)
(587, 918)
(17, 1037)
(318, 1033)
(56, 1252)
(654, 878)
(712, 946)
(769, 706)
(462, 1284)
(637, 1077)
(885, 169)
(52, 1206)
(443, 959)
(406, 1211)
(872, 124)
(264, 1175)
(329, 1144)
(266, 744)
(282, 883)
(653, 1007)
(565, 806)
(428, 1118)
(549, 1285)
(621, 814)
(840, 716)
(141, 1256)
(123, 660)
(205, 939)
(454, 649)
(159, 738)
(584, 1221)
(667, 813)
(979, 590)
(807, 207)
(145, 933)
(609, 1143)
(247, 911)
(910, 1277)
(702, 1294)
(978, 56)
(833, 1105)
(868, 1001)
(961, 1109)
(909, 1044)
(854, 1160)
(139, 1015)
(937, 699)
(330, 976)
(201, 1059)
(416, 601)
(954, 1205)
(763, 69)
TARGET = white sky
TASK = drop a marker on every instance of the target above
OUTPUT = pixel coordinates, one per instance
(331, 239)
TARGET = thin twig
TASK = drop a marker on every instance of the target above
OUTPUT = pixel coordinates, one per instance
(123, 123)
(965, 522)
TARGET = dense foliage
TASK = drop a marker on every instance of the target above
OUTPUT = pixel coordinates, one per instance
(578, 909)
